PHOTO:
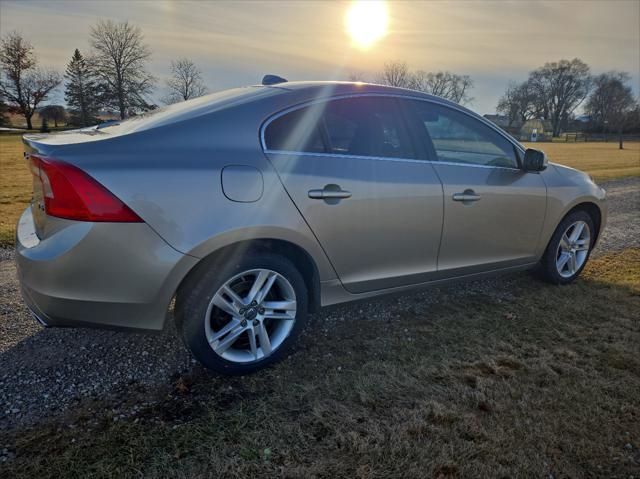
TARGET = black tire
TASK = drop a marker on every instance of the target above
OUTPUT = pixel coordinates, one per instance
(195, 295)
(547, 269)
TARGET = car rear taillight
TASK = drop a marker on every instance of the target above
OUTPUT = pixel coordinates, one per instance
(69, 192)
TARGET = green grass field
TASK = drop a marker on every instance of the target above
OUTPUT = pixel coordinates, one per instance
(524, 380)
(604, 161)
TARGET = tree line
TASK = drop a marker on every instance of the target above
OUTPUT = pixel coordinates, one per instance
(113, 76)
(444, 84)
(551, 92)
(554, 92)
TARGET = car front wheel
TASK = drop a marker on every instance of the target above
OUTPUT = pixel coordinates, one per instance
(569, 248)
(242, 317)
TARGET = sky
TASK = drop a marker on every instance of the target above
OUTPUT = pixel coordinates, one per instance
(236, 43)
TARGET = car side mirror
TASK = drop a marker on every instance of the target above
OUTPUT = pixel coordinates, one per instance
(534, 160)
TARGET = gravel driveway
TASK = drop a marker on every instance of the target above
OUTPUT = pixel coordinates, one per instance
(44, 372)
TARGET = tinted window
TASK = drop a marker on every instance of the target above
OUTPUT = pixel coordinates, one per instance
(296, 131)
(365, 126)
(460, 138)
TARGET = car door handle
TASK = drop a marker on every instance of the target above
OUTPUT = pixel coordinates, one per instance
(328, 193)
(466, 196)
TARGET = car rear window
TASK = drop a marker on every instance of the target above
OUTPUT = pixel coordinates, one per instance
(296, 131)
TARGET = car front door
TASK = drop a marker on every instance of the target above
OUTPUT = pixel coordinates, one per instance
(351, 168)
(493, 210)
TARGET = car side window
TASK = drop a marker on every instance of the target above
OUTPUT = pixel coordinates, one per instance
(460, 138)
(296, 131)
(358, 126)
(367, 126)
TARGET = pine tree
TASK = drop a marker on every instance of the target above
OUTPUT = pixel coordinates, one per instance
(80, 91)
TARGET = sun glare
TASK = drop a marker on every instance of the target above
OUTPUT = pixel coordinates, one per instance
(366, 22)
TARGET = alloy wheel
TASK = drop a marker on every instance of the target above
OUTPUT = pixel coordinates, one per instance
(573, 249)
(250, 316)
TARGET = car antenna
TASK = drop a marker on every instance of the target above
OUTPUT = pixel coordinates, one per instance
(272, 80)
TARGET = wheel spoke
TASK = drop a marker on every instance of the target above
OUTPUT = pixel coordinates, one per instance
(237, 300)
(577, 231)
(225, 329)
(273, 315)
(264, 291)
(225, 305)
(257, 284)
(283, 305)
(265, 343)
(562, 260)
(221, 346)
(582, 244)
(252, 342)
(565, 243)
(573, 267)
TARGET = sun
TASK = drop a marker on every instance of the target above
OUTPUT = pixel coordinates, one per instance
(366, 22)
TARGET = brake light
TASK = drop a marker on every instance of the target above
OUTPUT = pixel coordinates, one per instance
(68, 192)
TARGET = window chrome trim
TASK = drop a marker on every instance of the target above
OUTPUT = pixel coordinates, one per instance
(436, 101)
(385, 158)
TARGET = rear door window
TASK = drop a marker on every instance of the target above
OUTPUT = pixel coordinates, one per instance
(359, 126)
(367, 126)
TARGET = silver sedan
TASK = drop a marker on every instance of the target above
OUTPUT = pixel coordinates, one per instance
(245, 210)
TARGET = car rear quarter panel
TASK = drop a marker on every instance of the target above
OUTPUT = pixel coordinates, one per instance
(171, 177)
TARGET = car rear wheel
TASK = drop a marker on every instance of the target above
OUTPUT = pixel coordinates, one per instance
(242, 317)
(569, 248)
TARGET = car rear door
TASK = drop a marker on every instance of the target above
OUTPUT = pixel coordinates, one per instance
(352, 170)
(493, 210)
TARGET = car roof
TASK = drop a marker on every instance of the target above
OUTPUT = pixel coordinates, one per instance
(284, 95)
(334, 88)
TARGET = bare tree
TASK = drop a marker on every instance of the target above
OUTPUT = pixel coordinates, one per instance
(611, 102)
(396, 74)
(559, 88)
(185, 82)
(80, 92)
(22, 82)
(444, 84)
(517, 103)
(118, 61)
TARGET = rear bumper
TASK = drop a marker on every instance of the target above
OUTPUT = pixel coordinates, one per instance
(113, 275)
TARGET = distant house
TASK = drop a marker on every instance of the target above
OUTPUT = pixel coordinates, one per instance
(543, 128)
(503, 122)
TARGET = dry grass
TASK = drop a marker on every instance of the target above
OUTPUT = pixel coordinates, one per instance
(525, 380)
(603, 161)
(15, 185)
(17, 121)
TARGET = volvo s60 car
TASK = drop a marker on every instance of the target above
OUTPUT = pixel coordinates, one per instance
(255, 206)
